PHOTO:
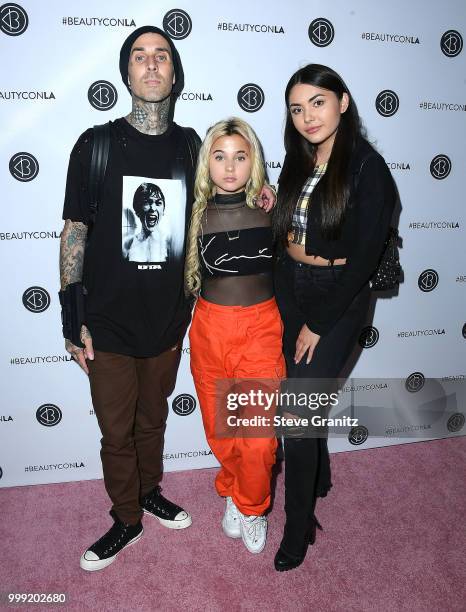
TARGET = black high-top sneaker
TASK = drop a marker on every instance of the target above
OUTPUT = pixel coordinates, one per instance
(165, 511)
(104, 552)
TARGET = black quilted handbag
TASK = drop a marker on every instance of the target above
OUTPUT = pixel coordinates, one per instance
(387, 274)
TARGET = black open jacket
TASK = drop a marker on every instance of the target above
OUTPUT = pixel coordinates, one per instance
(364, 231)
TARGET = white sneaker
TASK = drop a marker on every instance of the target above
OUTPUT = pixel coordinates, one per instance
(230, 521)
(253, 532)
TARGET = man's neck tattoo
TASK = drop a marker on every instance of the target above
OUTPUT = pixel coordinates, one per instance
(150, 117)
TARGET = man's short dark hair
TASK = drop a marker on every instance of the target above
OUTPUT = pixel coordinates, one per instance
(142, 196)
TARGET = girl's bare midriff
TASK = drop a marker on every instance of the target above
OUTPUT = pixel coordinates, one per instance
(298, 253)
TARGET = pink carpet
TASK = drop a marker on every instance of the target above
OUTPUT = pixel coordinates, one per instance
(394, 539)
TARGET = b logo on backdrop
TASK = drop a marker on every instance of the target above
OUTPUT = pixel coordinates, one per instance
(13, 19)
(456, 422)
(415, 382)
(177, 24)
(36, 299)
(369, 337)
(49, 415)
(321, 32)
(358, 435)
(428, 280)
(440, 167)
(387, 103)
(184, 404)
(24, 167)
(102, 95)
(451, 43)
(251, 97)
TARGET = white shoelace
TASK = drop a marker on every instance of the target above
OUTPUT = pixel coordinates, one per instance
(255, 524)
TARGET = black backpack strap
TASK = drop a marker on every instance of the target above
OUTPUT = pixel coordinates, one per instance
(98, 167)
(194, 144)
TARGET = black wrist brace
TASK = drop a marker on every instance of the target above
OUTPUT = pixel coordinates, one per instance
(73, 312)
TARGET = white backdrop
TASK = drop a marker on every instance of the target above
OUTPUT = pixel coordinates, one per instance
(408, 56)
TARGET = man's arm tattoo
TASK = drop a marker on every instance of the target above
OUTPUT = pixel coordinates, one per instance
(72, 246)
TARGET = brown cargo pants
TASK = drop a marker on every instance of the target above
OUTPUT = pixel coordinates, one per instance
(129, 395)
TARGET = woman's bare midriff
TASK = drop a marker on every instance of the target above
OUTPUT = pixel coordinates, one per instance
(298, 253)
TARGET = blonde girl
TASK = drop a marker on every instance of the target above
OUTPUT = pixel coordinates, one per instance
(236, 331)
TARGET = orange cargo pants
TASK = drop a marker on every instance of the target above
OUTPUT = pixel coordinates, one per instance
(236, 342)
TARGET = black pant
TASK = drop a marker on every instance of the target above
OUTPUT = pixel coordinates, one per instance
(307, 462)
(298, 285)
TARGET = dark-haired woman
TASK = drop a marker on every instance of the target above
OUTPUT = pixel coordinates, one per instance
(335, 201)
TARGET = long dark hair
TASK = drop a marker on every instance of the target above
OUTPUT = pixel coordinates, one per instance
(300, 159)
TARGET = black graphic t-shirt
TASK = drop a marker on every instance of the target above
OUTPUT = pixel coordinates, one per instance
(133, 267)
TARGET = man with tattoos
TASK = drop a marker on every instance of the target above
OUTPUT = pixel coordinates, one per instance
(135, 311)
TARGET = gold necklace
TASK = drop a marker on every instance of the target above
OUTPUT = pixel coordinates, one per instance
(221, 221)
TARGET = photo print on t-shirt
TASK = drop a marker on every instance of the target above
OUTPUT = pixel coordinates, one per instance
(153, 219)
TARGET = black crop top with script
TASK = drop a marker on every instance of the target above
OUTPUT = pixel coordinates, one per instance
(235, 251)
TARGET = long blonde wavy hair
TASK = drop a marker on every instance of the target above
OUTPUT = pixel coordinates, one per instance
(205, 189)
